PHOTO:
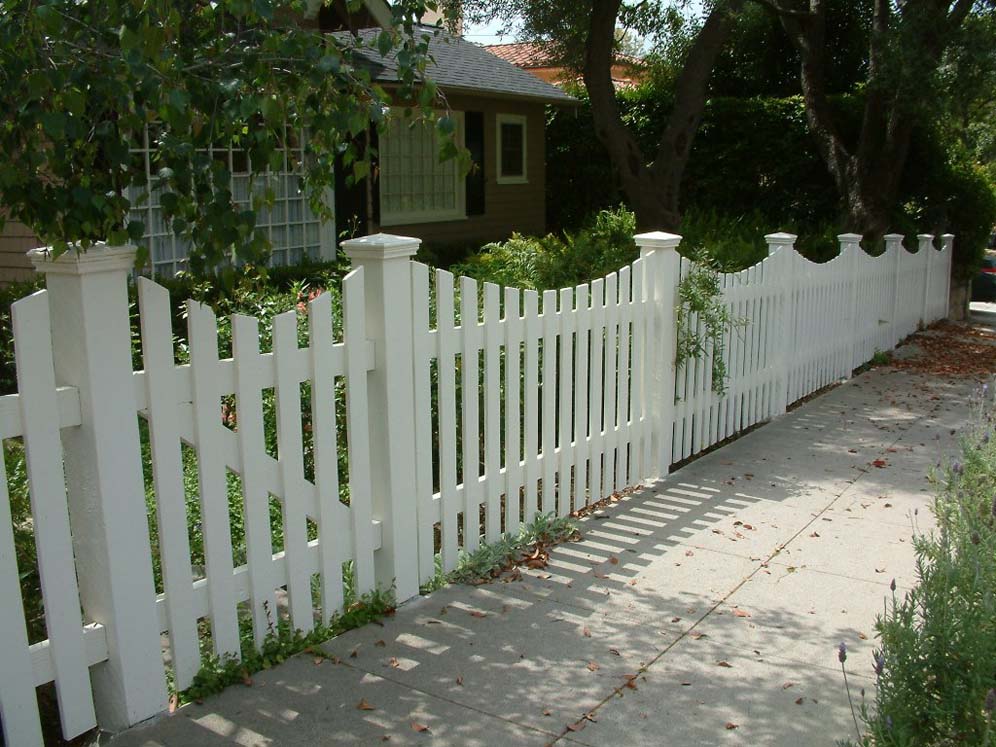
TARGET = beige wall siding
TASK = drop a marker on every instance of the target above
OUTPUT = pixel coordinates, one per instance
(507, 207)
(15, 241)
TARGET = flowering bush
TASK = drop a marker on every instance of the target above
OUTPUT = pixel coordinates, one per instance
(936, 668)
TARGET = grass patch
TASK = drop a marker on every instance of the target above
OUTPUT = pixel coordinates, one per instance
(281, 642)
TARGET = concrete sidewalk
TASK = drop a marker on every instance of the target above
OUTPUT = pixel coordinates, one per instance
(703, 610)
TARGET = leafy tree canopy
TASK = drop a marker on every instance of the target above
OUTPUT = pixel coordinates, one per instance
(82, 81)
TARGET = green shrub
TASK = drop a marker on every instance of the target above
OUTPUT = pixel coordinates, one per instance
(602, 246)
(936, 668)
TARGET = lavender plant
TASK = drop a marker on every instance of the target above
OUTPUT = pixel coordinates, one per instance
(936, 667)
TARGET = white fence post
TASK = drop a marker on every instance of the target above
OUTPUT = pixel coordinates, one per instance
(947, 239)
(91, 342)
(659, 252)
(926, 247)
(786, 313)
(852, 242)
(386, 263)
(894, 243)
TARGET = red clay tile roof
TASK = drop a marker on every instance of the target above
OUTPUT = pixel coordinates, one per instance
(523, 54)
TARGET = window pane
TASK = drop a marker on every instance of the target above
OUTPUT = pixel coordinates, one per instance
(512, 140)
(414, 184)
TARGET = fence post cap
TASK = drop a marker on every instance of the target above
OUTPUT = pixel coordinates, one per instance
(657, 240)
(894, 237)
(947, 235)
(849, 237)
(98, 258)
(781, 238)
(381, 246)
(925, 236)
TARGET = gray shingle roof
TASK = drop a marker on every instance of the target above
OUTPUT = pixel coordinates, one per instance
(463, 67)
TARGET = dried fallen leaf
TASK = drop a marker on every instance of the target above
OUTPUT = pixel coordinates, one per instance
(614, 560)
(476, 613)
(319, 660)
(614, 652)
(787, 685)
(724, 664)
(585, 632)
(730, 725)
(800, 701)
(459, 680)
(246, 678)
(862, 636)
(419, 727)
(380, 643)
(363, 705)
(393, 661)
(593, 666)
(741, 613)
(174, 702)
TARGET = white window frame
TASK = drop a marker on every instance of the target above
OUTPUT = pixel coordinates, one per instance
(300, 237)
(459, 212)
(517, 119)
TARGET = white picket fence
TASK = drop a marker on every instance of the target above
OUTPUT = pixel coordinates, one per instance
(469, 410)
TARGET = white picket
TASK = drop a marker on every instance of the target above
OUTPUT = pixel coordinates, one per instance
(531, 403)
(202, 332)
(581, 396)
(565, 376)
(167, 476)
(358, 431)
(609, 423)
(427, 511)
(637, 423)
(255, 497)
(50, 512)
(18, 700)
(470, 420)
(548, 421)
(446, 397)
(513, 411)
(595, 403)
(492, 411)
(623, 379)
(331, 529)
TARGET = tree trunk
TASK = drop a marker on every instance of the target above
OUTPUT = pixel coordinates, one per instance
(652, 189)
(868, 175)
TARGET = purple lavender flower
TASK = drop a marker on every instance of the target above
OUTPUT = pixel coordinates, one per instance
(957, 468)
(879, 663)
(985, 437)
(842, 652)
(893, 585)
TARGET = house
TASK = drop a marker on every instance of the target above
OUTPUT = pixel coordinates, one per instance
(538, 59)
(500, 113)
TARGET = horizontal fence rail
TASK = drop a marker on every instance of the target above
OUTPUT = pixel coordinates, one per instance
(259, 475)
